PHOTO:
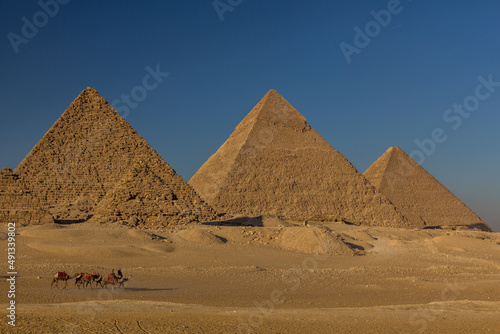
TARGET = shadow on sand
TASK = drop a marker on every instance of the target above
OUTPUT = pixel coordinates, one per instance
(69, 221)
(240, 221)
(148, 289)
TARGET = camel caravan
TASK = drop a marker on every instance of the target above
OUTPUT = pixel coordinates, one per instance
(92, 280)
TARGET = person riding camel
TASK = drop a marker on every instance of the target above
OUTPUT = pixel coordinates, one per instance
(113, 275)
(119, 274)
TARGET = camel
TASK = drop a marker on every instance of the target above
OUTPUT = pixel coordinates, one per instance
(86, 279)
(98, 280)
(62, 276)
(79, 280)
(113, 281)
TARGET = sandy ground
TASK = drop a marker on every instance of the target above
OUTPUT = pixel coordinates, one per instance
(276, 278)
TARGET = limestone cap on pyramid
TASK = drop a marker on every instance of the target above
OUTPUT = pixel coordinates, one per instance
(417, 194)
(275, 163)
(275, 110)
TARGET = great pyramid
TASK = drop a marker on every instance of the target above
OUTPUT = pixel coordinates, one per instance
(275, 163)
(417, 194)
(87, 151)
(152, 194)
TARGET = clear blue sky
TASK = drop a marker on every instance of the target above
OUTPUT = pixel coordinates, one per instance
(395, 90)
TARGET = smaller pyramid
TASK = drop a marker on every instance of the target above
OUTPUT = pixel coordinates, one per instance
(417, 194)
(152, 194)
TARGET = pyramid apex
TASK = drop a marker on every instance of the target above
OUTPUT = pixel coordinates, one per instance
(394, 149)
(90, 90)
(274, 110)
(273, 94)
(89, 95)
(393, 154)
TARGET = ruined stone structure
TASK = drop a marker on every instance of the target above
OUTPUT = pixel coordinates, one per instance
(417, 194)
(17, 203)
(275, 163)
(151, 194)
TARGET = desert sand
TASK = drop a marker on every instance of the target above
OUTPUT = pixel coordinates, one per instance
(259, 275)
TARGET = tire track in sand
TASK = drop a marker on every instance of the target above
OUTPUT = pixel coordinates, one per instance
(118, 328)
(140, 327)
